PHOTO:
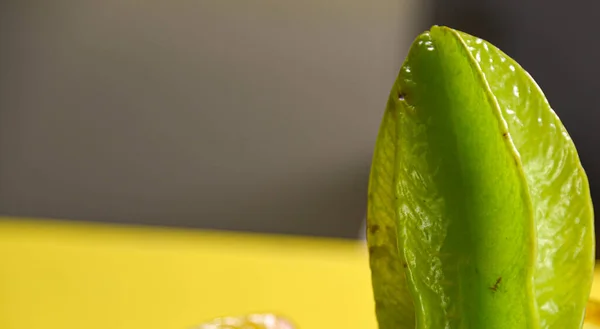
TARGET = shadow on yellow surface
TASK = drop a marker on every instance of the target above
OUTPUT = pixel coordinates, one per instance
(58, 275)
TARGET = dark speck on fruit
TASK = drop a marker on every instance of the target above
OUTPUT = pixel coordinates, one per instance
(400, 96)
(494, 288)
(373, 228)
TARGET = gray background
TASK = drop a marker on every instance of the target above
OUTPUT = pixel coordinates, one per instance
(255, 115)
(245, 115)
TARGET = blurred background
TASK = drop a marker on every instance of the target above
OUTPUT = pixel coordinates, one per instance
(242, 115)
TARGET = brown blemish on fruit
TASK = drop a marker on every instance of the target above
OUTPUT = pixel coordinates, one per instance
(377, 250)
(373, 228)
(494, 288)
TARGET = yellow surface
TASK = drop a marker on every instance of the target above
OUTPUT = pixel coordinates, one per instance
(81, 276)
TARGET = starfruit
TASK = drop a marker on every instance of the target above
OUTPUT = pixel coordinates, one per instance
(479, 212)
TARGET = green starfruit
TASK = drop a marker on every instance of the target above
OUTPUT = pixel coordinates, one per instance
(479, 211)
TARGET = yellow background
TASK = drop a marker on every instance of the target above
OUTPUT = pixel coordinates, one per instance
(57, 275)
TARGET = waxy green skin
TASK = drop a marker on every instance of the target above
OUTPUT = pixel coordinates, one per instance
(479, 210)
